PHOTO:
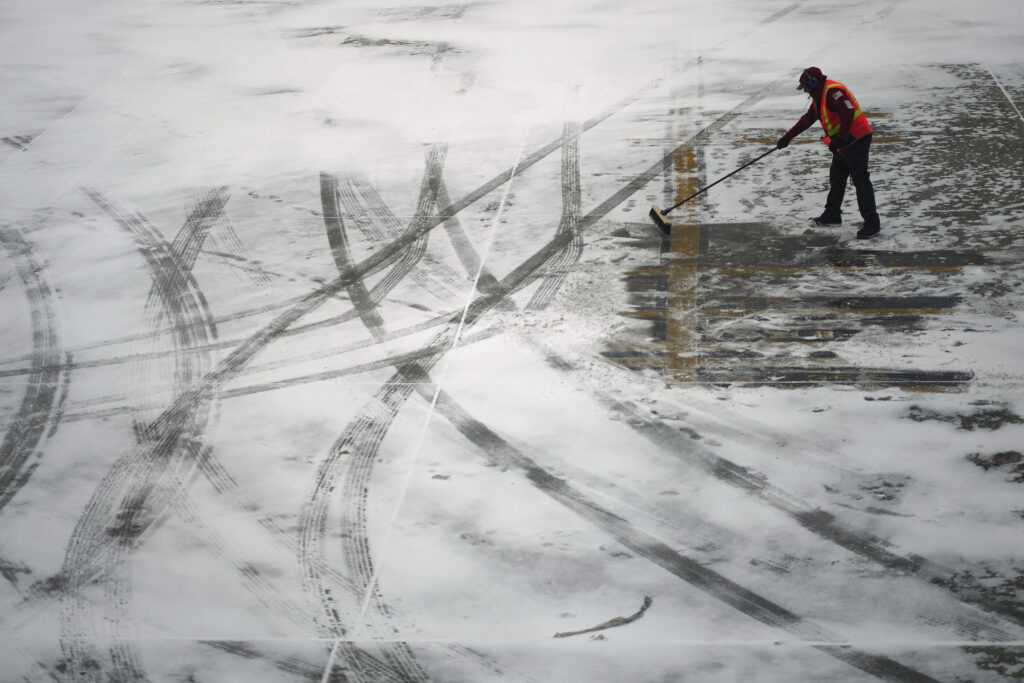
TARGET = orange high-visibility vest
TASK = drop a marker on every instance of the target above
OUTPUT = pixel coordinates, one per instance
(830, 120)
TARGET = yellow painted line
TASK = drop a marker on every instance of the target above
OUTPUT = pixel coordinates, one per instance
(681, 337)
(644, 315)
(650, 271)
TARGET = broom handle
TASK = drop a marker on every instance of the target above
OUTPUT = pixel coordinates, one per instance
(703, 190)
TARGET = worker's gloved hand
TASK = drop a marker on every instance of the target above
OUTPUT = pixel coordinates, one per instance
(783, 142)
(837, 143)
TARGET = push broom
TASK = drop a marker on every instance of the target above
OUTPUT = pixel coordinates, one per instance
(660, 217)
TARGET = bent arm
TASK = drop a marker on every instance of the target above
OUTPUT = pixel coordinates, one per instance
(805, 122)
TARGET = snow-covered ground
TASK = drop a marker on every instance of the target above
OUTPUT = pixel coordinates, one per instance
(338, 345)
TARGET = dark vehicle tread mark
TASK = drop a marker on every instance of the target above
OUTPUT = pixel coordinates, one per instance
(226, 485)
(288, 665)
(338, 240)
(438, 345)
(814, 519)
(143, 498)
(569, 222)
(464, 249)
(382, 258)
(314, 517)
(359, 443)
(363, 437)
(281, 324)
(355, 659)
(171, 421)
(11, 568)
(415, 252)
(92, 408)
(367, 209)
(503, 454)
(177, 270)
(165, 431)
(525, 273)
(453, 208)
(223, 241)
(39, 412)
(376, 296)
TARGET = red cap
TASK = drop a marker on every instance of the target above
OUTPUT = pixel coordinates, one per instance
(811, 78)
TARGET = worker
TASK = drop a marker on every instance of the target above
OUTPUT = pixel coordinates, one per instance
(848, 136)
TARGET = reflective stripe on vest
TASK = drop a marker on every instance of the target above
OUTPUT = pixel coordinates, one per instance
(830, 120)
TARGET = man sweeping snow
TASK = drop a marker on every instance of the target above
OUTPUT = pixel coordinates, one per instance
(848, 136)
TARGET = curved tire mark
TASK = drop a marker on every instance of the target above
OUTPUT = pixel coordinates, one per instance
(314, 517)
(352, 457)
(369, 211)
(503, 454)
(819, 522)
(569, 223)
(143, 498)
(46, 385)
(365, 306)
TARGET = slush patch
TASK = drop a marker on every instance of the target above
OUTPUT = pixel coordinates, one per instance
(990, 419)
(1009, 462)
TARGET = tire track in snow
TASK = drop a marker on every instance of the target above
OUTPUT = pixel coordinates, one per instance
(192, 325)
(447, 215)
(814, 519)
(398, 655)
(867, 663)
(48, 375)
(165, 431)
(355, 535)
(142, 500)
(569, 223)
(139, 491)
(188, 245)
(453, 208)
(39, 416)
(363, 664)
(499, 452)
(463, 247)
(643, 544)
(732, 594)
(185, 248)
(288, 665)
(362, 440)
(368, 210)
(370, 432)
(362, 302)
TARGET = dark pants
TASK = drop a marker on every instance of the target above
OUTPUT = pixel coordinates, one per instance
(851, 162)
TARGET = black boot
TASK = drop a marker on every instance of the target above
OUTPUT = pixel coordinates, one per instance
(871, 227)
(829, 217)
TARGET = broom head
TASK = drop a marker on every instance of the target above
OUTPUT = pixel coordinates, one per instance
(661, 220)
